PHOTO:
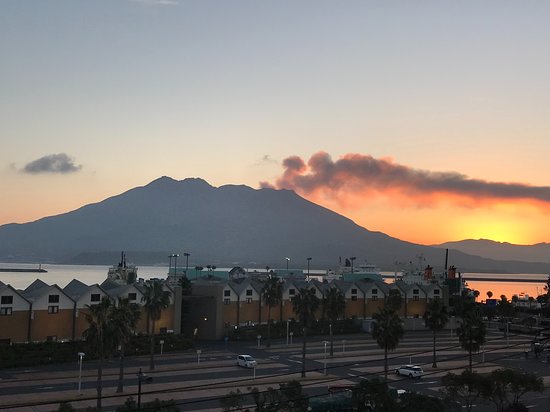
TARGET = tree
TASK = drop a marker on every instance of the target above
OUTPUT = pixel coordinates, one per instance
(272, 294)
(233, 401)
(155, 299)
(125, 316)
(465, 388)
(186, 286)
(506, 311)
(503, 382)
(101, 336)
(373, 395)
(394, 300)
(387, 330)
(471, 333)
(436, 318)
(334, 304)
(305, 303)
(413, 402)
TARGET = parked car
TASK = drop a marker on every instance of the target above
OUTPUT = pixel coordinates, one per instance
(246, 361)
(412, 371)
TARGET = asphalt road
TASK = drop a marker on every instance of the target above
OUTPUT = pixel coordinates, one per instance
(199, 385)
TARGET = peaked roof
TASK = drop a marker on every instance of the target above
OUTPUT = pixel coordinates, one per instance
(37, 292)
(3, 286)
(75, 288)
(37, 284)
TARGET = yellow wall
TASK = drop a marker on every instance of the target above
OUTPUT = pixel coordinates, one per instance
(59, 324)
(15, 326)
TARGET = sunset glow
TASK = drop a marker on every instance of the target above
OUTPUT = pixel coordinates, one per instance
(394, 115)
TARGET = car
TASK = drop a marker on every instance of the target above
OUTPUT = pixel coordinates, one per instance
(412, 371)
(246, 361)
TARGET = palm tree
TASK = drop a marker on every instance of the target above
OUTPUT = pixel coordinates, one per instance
(155, 299)
(100, 335)
(272, 294)
(436, 318)
(334, 305)
(124, 319)
(305, 303)
(471, 333)
(387, 330)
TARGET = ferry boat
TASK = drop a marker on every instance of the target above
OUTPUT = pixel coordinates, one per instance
(123, 273)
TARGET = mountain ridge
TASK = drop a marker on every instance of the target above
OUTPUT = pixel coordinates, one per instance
(226, 225)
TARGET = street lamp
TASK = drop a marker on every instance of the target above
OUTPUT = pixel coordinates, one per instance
(175, 264)
(287, 260)
(325, 360)
(331, 340)
(141, 377)
(287, 329)
(308, 260)
(80, 356)
(186, 262)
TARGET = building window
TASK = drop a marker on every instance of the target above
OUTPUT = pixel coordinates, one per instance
(248, 292)
(415, 291)
(374, 291)
(7, 300)
(415, 297)
(226, 293)
(132, 296)
(354, 297)
(291, 292)
(375, 297)
(53, 310)
(436, 291)
(226, 301)
(96, 297)
(5, 311)
(354, 291)
(53, 299)
(248, 300)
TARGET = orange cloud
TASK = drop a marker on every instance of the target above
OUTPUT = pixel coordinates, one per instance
(357, 177)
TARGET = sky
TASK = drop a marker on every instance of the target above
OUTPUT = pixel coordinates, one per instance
(425, 120)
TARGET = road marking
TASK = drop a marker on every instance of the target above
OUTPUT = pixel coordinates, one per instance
(46, 388)
(425, 383)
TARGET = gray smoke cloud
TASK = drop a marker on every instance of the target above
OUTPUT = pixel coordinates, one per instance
(54, 163)
(363, 172)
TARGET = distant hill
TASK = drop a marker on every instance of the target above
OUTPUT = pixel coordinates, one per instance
(539, 252)
(225, 226)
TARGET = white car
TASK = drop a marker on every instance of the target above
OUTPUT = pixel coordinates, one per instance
(246, 361)
(412, 371)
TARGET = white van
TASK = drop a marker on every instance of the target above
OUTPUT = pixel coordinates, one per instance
(246, 361)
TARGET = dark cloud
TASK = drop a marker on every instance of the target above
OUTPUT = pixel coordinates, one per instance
(356, 172)
(54, 163)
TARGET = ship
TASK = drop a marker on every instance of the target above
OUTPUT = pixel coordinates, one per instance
(123, 273)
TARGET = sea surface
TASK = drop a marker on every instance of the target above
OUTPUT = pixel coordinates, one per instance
(499, 284)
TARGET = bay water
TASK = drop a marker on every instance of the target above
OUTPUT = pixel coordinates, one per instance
(499, 284)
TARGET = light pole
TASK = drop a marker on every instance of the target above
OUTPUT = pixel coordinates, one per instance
(331, 340)
(308, 260)
(287, 260)
(170, 262)
(325, 360)
(352, 259)
(287, 329)
(80, 356)
(175, 264)
(186, 254)
(141, 376)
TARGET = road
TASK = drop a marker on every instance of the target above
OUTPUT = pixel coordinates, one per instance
(199, 384)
